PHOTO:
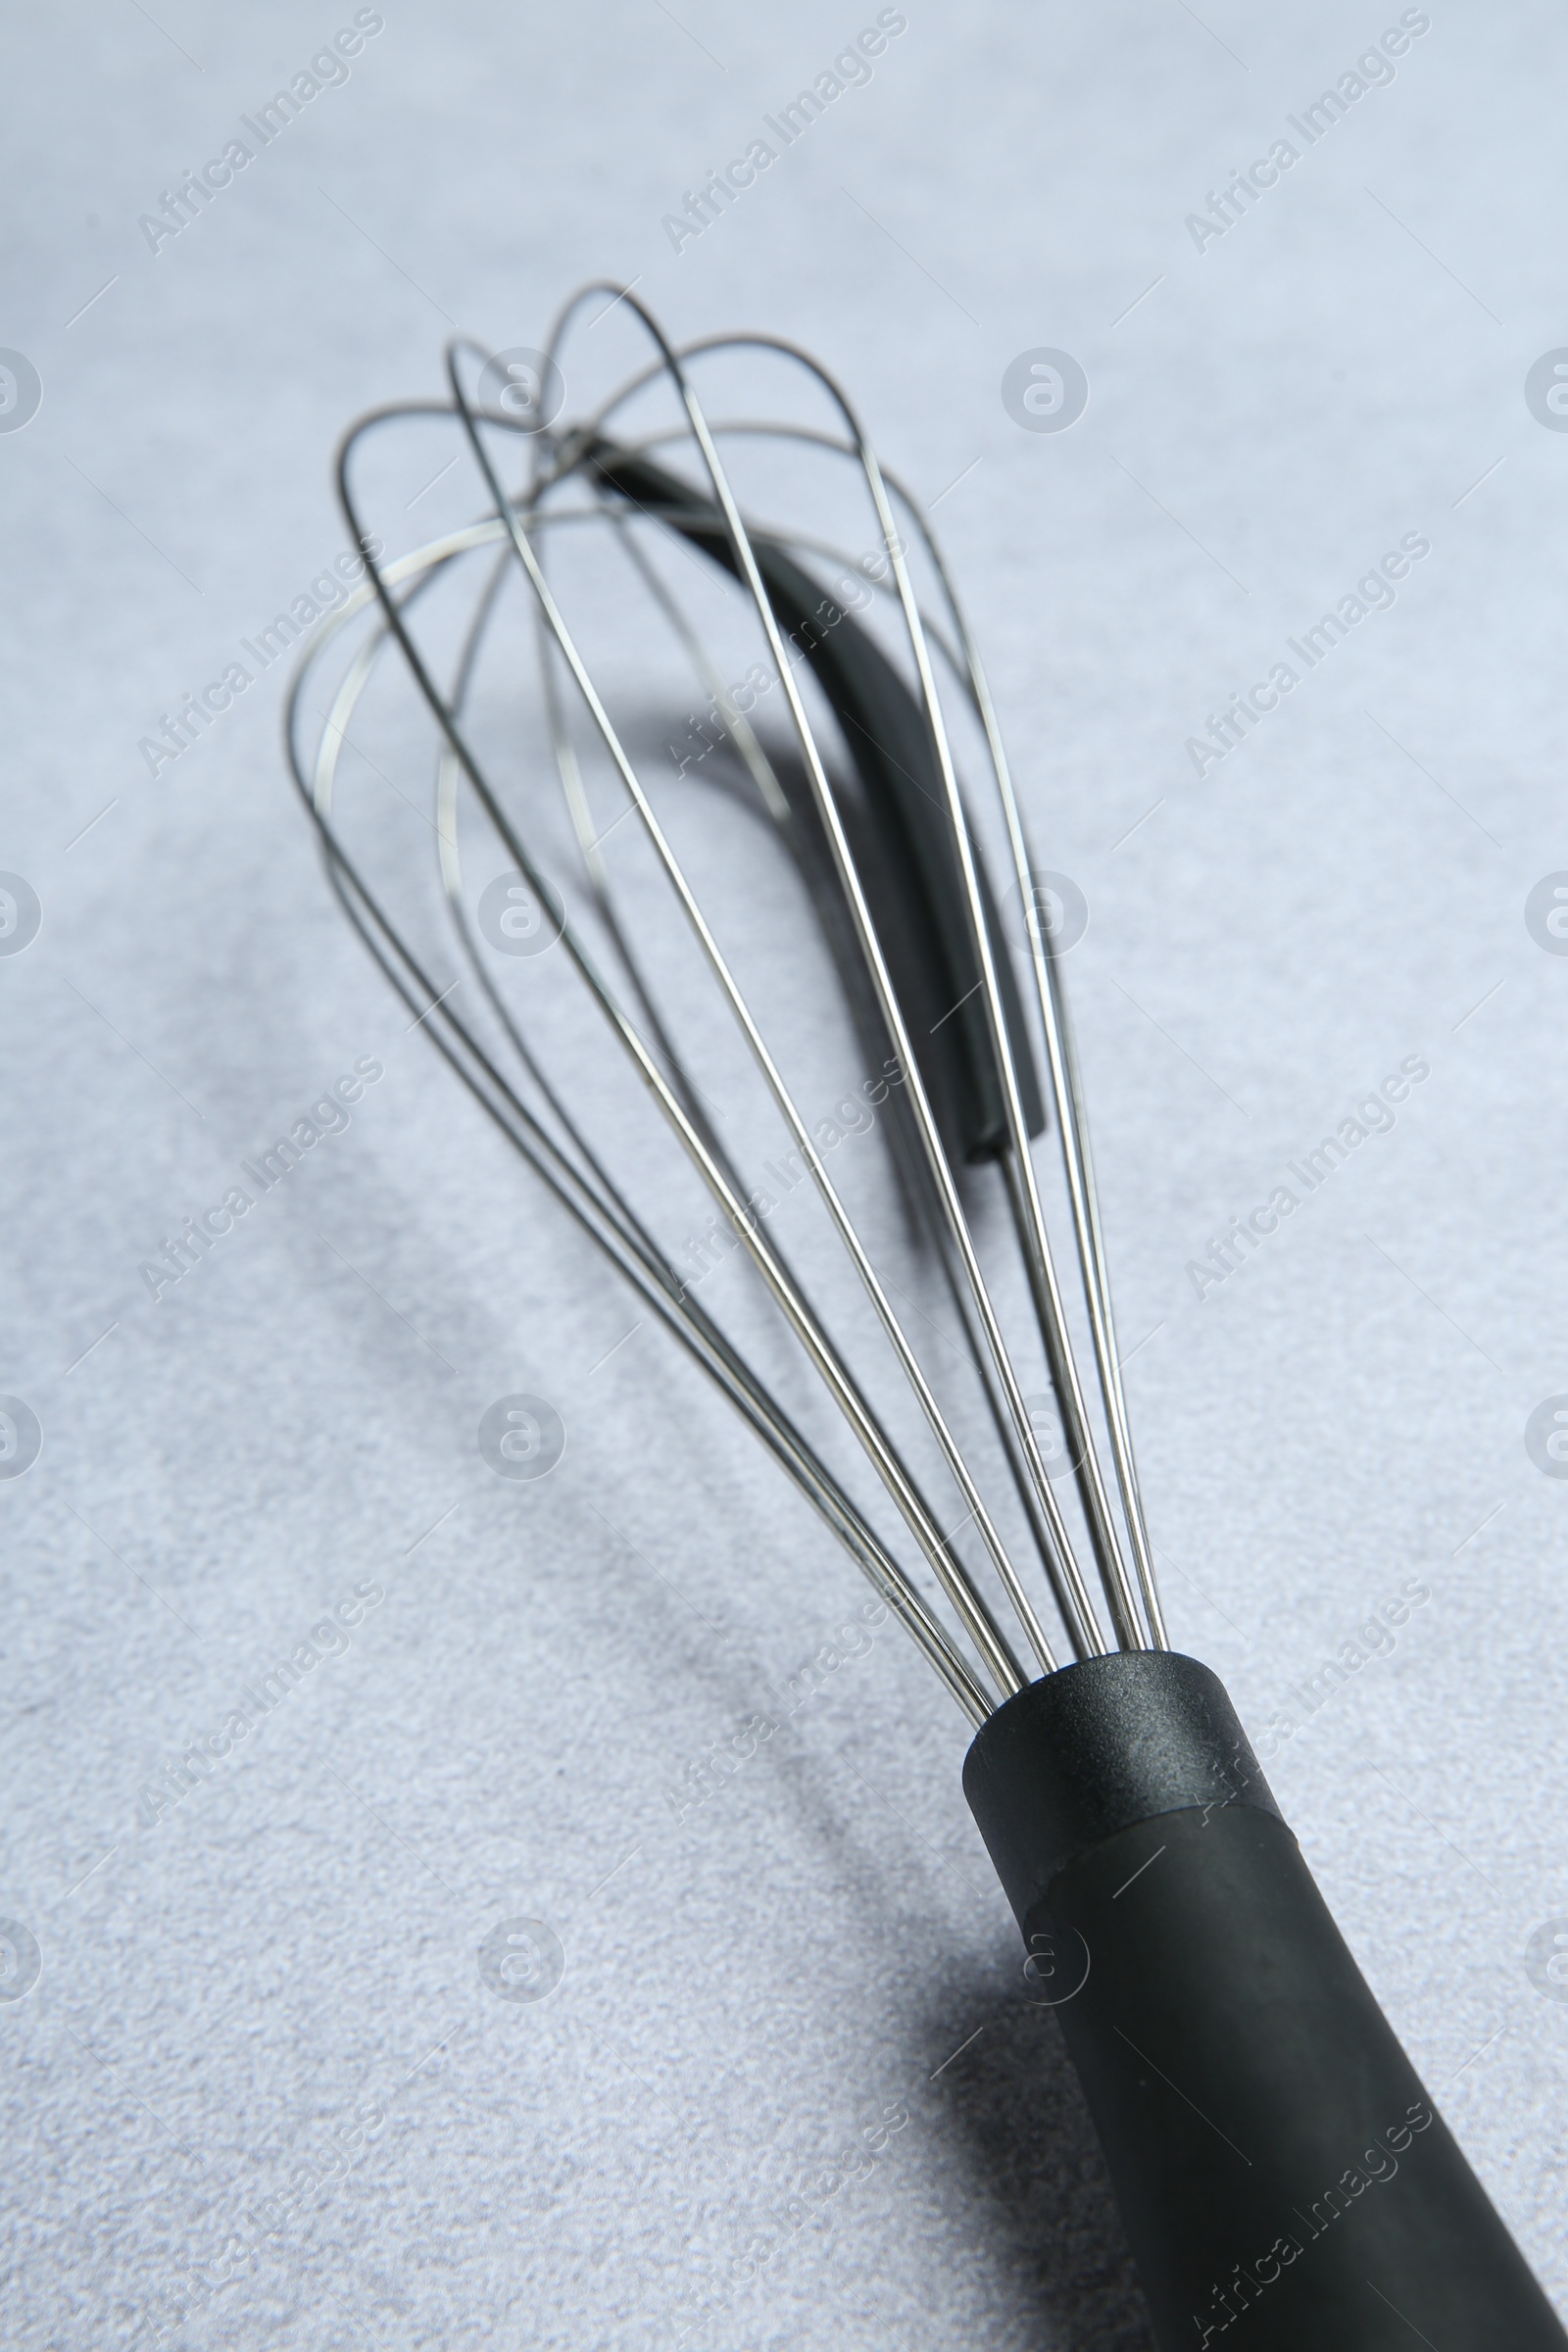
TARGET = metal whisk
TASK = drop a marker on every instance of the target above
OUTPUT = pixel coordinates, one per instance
(1282, 2172)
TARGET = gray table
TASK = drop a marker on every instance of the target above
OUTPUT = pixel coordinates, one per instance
(260, 2041)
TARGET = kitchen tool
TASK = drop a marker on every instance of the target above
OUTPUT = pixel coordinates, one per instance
(642, 685)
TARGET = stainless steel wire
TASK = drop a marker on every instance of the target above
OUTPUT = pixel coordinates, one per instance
(504, 1069)
(600, 1209)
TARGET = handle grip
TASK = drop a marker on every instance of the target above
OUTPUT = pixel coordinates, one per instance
(1286, 2182)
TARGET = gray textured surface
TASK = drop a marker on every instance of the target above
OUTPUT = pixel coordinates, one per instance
(295, 1943)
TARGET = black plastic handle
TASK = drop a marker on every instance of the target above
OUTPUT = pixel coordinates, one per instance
(1285, 2181)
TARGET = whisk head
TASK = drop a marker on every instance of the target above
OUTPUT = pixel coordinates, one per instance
(677, 638)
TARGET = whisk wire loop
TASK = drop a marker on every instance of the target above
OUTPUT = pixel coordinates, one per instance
(601, 1213)
(517, 526)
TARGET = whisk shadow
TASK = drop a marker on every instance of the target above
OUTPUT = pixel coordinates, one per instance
(1016, 2125)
